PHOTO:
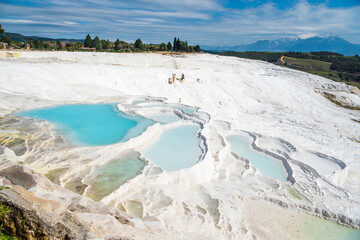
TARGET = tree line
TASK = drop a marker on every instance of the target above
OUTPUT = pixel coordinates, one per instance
(264, 56)
(138, 46)
(338, 61)
(347, 68)
(101, 45)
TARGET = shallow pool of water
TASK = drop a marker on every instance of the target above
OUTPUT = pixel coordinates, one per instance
(268, 166)
(314, 228)
(112, 175)
(163, 117)
(91, 124)
(176, 148)
(187, 110)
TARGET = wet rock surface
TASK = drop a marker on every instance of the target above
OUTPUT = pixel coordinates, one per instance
(17, 176)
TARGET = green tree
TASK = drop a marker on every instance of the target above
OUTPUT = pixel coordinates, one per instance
(139, 44)
(169, 46)
(103, 44)
(4, 210)
(1, 29)
(117, 45)
(107, 44)
(178, 45)
(163, 47)
(97, 43)
(76, 46)
(30, 42)
(186, 47)
(59, 45)
(88, 41)
(37, 44)
(68, 46)
(45, 46)
(197, 48)
(174, 44)
(150, 47)
(5, 39)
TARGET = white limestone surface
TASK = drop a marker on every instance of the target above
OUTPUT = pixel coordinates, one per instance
(284, 109)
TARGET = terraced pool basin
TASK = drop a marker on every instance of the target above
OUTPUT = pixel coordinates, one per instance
(91, 124)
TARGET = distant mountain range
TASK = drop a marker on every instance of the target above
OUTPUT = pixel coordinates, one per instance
(331, 43)
(21, 38)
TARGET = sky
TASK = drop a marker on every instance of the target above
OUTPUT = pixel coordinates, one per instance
(203, 22)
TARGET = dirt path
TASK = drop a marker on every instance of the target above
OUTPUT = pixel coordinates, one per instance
(282, 59)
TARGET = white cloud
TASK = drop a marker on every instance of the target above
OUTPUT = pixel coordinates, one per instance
(185, 4)
(24, 21)
(270, 22)
(27, 21)
(307, 35)
(202, 21)
(70, 23)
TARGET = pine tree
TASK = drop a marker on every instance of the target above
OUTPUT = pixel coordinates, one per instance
(178, 45)
(5, 39)
(1, 29)
(97, 43)
(169, 47)
(103, 43)
(117, 44)
(139, 44)
(186, 47)
(174, 45)
(88, 41)
(197, 48)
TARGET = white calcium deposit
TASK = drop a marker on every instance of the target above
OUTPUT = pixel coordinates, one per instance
(288, 114)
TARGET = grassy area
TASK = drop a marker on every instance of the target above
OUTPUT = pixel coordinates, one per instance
(353, 83)
(308, 64)
(4, 236)
(330, 65)
(333, 76)
(327, 74)
(316, 67)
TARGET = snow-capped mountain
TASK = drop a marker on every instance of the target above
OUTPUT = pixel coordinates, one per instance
(302, 43)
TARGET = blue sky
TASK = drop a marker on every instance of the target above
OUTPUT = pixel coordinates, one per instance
(204, 22)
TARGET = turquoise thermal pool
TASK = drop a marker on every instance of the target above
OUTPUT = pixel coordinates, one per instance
(268, 166)
(176, 148)
(91, 124)
(164, 118)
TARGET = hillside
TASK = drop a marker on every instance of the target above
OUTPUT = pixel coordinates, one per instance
(331, 65)
(21, 38)
(326, 43)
